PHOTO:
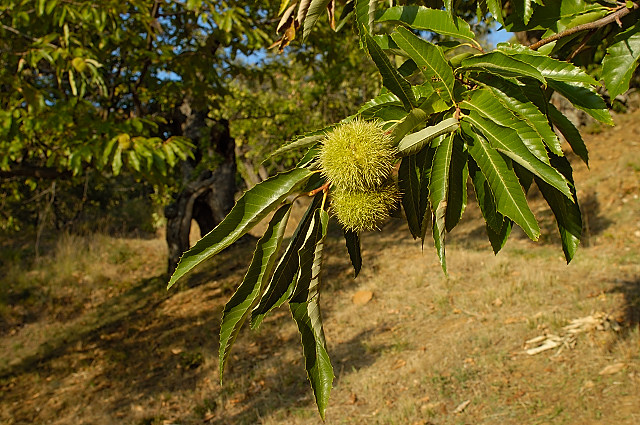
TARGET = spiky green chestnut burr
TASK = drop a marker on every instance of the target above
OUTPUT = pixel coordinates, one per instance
(360, 211)
(358, 155)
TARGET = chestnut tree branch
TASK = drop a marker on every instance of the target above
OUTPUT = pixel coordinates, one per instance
(613, 17)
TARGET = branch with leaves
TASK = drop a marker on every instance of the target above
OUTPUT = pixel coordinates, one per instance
(451, 117)
(616, 16)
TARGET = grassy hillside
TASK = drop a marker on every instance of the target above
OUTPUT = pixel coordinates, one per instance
(90, 336)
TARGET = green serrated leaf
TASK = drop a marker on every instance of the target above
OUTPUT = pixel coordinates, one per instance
(365, 13)
(305, 309)
(413, 119)
(486, 104)
(116, 165)
(495, 8)
(379, 102)
(513, 97)
(439, 192)
(499, 238)
(435, 20)
(551, 69)
(567, 213)
(302, 142)
(500, 64)
(621, 61)
(507, 141)
(415, 142)
(570, 132)
(498, 227)
(458, 176)
(345, 15)
(438, 234)
(282, 283)
(316, 8)
(484, 197)
(353, 247)
(413, 179)
(391, 78)
(505, 187)
(525, 9)
(248, 293)
(252, 207)
(307, 255)
(585, 98)
(431, 60)
(448, 6)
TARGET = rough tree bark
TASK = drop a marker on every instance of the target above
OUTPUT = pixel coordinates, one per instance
(208, 196)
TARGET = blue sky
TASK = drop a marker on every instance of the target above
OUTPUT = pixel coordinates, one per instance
(499, 36)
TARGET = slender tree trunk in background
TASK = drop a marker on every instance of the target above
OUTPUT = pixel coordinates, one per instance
(527, 38)
(207, 197)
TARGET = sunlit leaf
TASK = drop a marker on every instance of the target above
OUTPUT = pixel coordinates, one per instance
(248, 293)
(305, 309)
(513, 97)
(439, 192)
(486, 104)
(507, 141)
(391, 78)
(498, 63)
(551, 69)
(498, 227)
(252, 207)
(422, 18)
(429, 58)
(505, 187)
(458, 176)
(284, 277)
(316, 8)
(621, 61)
(416, 141)
(585, 98)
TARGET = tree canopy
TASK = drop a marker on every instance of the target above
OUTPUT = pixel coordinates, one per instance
(455, 114)
(103, 90)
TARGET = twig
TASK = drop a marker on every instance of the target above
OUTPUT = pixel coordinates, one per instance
(27, 36)
(584, 42)
(620, 12)
(323, 188)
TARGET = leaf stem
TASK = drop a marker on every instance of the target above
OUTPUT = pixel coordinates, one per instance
(619, 13)
(324, 188)
(324, 197)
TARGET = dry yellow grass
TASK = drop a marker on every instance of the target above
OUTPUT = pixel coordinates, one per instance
(427, 349)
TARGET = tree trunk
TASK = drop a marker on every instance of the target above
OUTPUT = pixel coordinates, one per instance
(207, 197)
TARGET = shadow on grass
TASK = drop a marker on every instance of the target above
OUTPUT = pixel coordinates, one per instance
(287, 390)
(110, 314)
(630, 289)
(143, 354)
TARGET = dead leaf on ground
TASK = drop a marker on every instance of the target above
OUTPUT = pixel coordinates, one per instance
(462, 406)
(353, 398)
(362, 297)
(612, 369)
(398, 364)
